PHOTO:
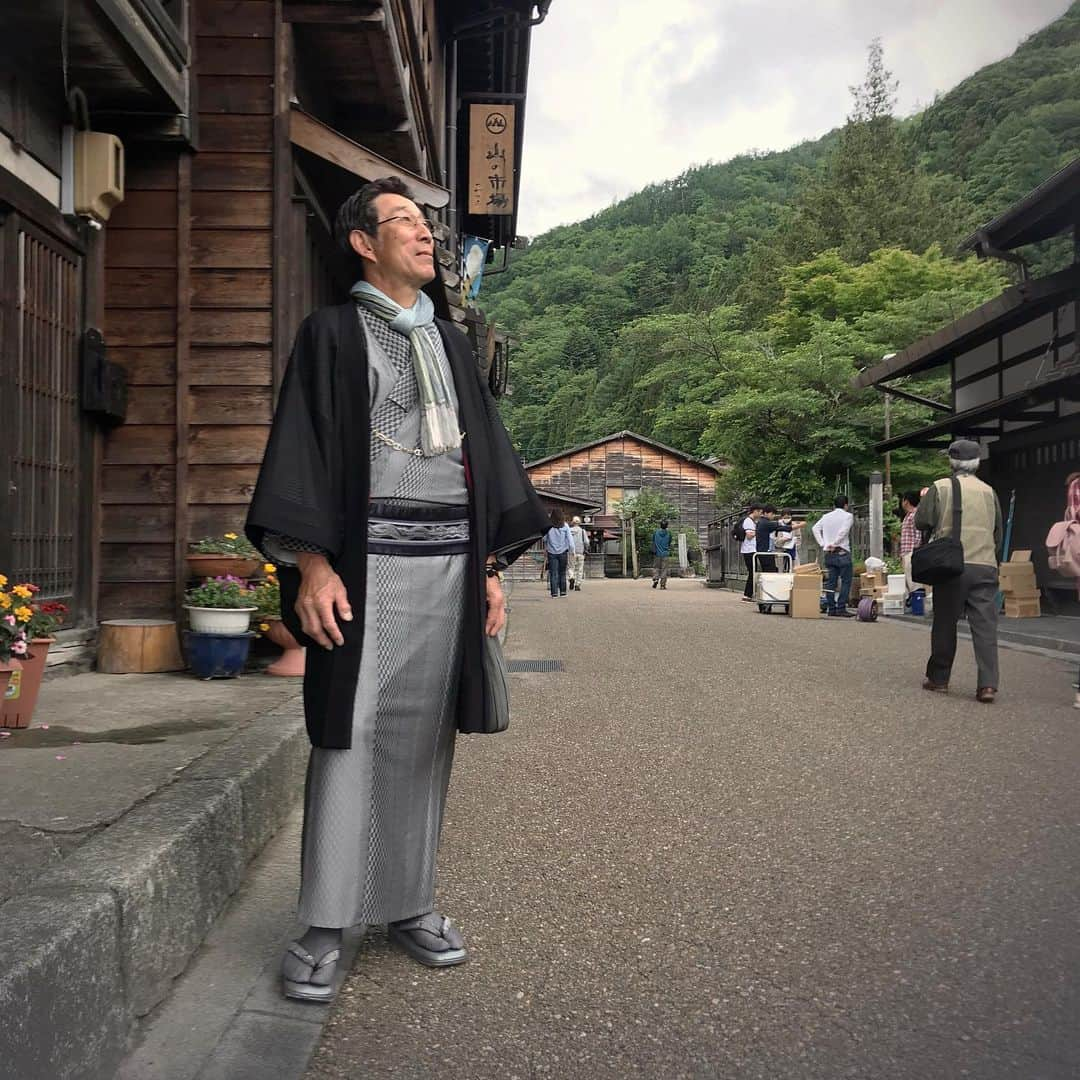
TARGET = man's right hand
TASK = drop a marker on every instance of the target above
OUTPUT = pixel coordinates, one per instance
(321, 592)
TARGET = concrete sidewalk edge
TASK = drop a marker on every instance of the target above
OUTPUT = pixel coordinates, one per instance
(97, 941)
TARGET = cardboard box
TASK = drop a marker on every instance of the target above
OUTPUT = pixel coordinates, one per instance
(808, 568)
(807, 583)
(1022, 609)
(805, 603)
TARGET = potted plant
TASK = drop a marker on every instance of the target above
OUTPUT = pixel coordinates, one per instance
(228, 555)
(220, 605)
(267, 597)
(14, 615)
(45, 617)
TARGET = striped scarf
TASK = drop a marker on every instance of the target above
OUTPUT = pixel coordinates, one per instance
(439, 425)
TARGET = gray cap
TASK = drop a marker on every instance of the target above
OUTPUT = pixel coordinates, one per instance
(965, 450)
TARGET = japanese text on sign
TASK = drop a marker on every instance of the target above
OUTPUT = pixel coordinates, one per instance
(491, 159)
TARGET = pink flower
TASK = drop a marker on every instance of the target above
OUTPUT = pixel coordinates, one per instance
(9, 619)
(19, 648)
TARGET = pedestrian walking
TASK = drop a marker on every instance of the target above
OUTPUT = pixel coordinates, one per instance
(558, 543)
(661, 546)
(833, 534)
(577, 557)
(389, 552)
(974, 593)
(747, 547)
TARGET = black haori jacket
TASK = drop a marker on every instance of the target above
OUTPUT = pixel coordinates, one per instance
(314, 485)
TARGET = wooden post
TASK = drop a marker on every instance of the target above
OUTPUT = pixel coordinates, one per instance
(633, 546)
(128, 646)
(623, 546)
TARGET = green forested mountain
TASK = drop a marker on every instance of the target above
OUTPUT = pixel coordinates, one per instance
(725, 311)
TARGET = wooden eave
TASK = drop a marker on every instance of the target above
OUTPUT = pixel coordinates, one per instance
(322, 140)
(1050, 209)
(362, 58)
(625, 435)
(1015, 306)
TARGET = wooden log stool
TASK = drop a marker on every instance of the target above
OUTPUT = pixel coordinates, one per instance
(130, 646)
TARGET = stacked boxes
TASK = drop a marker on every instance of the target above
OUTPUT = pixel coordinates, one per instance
(806, 592)
(874, 584)
(1016, 580)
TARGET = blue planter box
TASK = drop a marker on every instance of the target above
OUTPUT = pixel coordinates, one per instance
(217, 656)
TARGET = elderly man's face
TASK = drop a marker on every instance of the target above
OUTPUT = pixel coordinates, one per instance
(402, 251)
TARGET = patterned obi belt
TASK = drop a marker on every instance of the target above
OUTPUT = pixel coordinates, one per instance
(412, 530)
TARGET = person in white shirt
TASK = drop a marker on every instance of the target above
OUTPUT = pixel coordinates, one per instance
(747, 547)
(577, 556)
(833, 533)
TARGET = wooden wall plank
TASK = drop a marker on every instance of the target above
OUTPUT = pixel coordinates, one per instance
(230, 249)
(151, 404)
(124, 524)
(229, 209)
(232, 172)
(209, 519)
(247, 95)
(230, 289)
(236, 134)
(146, 209)
(234, 18)
(234, 444)
(141, 444)
(213, 327)
(125, 561)
(140, 287)
(140, 247)
(135, 326)
(234, 56)
(222, 484)
(230, 367)
(138, 485)
(131, 600)
(231, 405)
(146, 367)
(147, 170)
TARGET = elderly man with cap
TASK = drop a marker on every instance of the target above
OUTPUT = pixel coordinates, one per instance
(974, 592)
(577, 556)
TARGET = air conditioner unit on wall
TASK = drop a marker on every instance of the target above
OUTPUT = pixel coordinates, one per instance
(98, 173)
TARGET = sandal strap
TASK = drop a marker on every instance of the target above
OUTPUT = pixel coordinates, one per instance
(301, 954)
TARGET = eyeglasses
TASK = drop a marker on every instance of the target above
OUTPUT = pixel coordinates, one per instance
(415, 222)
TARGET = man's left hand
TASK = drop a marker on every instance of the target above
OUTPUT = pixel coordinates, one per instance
(496, 607)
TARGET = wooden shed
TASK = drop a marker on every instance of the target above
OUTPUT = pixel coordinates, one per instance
(242, 125)
(620, 465)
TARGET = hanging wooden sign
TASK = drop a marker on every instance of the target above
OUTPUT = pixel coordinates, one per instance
(491, 159)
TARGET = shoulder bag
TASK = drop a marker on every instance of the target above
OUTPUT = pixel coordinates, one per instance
(496, 689)
(943, 559)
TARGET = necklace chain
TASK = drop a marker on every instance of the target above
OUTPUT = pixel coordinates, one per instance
(395, 445)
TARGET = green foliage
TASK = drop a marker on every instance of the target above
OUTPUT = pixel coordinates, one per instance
(724, 312)
(227, 544)
(221, 592)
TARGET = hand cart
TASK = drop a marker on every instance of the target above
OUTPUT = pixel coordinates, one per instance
(772, 587)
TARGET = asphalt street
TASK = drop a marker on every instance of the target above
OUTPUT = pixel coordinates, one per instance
(726, 844)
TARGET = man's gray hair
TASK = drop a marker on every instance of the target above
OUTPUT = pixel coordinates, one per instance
(964, 467)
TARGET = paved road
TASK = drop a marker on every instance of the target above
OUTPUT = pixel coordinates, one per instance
(724, 844)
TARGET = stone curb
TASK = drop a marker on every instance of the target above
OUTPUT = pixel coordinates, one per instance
(98, 939)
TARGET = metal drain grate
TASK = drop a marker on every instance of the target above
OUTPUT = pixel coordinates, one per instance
(534, 665)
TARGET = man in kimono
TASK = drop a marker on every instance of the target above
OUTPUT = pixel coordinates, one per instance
(392, 499)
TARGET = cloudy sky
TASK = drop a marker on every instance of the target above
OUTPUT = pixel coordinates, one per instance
(626, 92)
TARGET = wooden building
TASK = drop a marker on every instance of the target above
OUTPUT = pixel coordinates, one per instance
(242, 125)
(620, 465)
(1014, 370)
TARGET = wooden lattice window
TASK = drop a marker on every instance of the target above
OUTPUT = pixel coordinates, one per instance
(42, 413)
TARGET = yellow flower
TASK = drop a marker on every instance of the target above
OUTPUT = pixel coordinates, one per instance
(264, 626)
(269, 568)
(5, 601)
(22, 592)
(230, 536)
(23, 614)
(3, 581)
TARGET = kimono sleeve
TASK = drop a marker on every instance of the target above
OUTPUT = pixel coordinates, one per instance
(297, 493)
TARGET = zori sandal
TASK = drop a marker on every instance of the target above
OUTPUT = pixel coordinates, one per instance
(316, 983)
(431, 939)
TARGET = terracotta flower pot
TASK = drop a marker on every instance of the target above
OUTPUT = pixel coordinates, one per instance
(293, 657)
(17, 712)
(7, 669)
(203, 566)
